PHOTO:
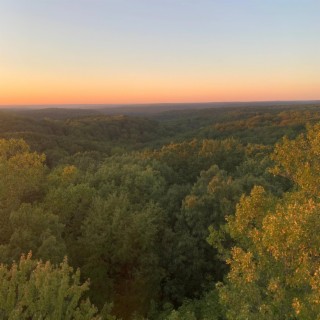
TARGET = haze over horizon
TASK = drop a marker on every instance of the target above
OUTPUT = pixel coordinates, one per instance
(132, 52)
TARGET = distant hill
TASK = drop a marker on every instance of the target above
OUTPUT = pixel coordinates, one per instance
(67, 111)
(63, 132)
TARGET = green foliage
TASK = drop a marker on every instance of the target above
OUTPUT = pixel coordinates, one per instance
(136, 220)
(206, 308)
(32, 289)
(120, 231)
(130, 175)
(21, 172)
(298, 160)
(274, 263)
(36, 230)
(119, 252)
(60, 138)
(70, 204)
(267, 126)
(21, 176)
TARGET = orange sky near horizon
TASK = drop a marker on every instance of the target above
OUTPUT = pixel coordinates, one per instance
(39, 91)
(30, 97)
(126, 52)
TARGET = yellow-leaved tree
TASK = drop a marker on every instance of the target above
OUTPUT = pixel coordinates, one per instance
(275, 260)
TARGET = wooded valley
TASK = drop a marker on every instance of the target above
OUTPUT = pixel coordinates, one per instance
(191, 214)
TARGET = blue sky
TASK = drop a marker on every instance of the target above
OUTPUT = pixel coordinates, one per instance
(157, 50)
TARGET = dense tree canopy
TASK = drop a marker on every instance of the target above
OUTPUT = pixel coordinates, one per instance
(274, 264)
(193, 215)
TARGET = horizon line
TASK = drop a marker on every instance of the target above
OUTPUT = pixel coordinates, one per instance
(157, 103)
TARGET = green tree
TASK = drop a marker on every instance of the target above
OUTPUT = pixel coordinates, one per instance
(21, 180)
(274, 264)
(36, 230)
(21, 173)
(70, 203)
(205, 308)
(119, 254)
(32, 289)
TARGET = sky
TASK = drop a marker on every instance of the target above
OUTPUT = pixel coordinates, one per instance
(151, 51)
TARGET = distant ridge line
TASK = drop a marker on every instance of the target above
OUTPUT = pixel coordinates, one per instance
(179, 105)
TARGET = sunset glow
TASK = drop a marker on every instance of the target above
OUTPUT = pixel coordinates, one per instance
(109, 52)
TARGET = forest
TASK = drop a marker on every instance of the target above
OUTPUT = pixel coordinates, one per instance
(193, 214)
